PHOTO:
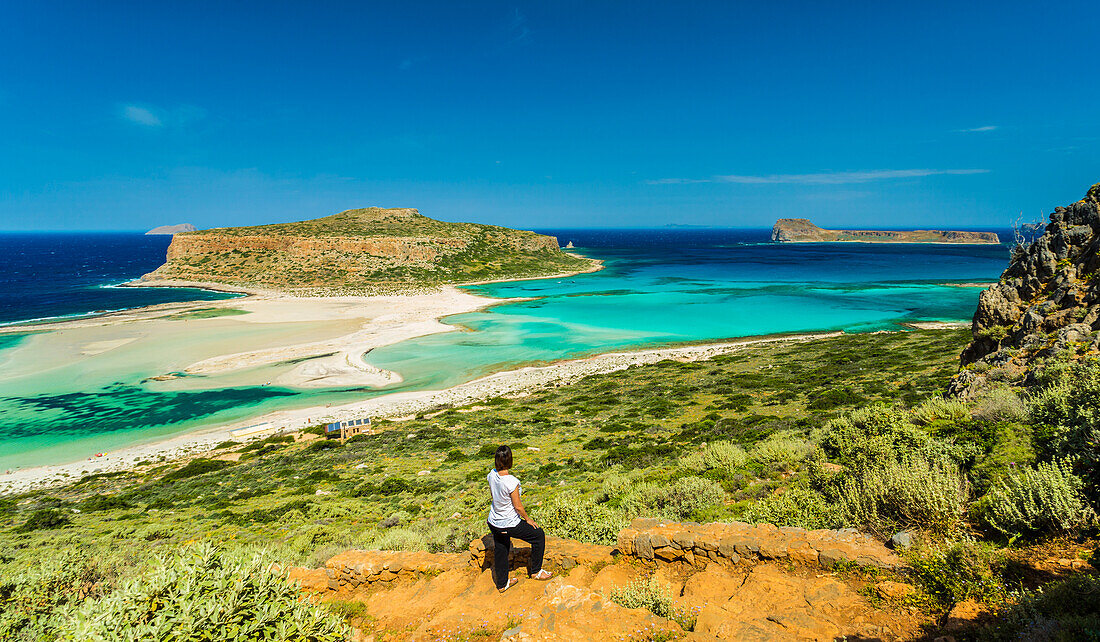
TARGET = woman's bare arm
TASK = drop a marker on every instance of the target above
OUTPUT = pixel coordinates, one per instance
(518, 504)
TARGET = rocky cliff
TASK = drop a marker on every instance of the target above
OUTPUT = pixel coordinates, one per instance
(1048, 300)
(801, 230)
(361, 249)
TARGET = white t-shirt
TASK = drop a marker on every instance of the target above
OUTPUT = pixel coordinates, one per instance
(502, 513)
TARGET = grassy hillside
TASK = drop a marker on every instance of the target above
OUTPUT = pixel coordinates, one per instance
(838, 432)
(362, 251)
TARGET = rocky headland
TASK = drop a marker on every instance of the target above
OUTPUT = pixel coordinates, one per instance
(171, 229)
(1046, 302)
(801, 230)
(360, 251)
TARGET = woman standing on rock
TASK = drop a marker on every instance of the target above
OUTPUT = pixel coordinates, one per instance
(508, 519)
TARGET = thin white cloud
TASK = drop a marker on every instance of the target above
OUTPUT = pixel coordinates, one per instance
(823, 178)
(676, 181)
(984, 128)
(149, 116)
(141, 116)
(842, 178)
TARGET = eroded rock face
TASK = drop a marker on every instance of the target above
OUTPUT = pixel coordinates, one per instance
(1048, 300)
(773, 605)
(801, 230)
(734, 543)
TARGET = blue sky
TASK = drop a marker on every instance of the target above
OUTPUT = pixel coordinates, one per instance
(121, 115)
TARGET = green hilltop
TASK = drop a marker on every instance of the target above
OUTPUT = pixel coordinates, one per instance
(361, 251)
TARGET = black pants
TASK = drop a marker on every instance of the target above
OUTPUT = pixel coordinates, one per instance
(502, 544)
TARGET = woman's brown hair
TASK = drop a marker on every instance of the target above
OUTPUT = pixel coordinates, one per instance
(503, 458)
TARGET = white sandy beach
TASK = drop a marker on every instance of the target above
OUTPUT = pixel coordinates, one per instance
(511, 383)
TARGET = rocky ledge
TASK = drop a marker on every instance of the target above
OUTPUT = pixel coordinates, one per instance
(801, 230)
(1047, 301)
(746, 544)
(733, 581)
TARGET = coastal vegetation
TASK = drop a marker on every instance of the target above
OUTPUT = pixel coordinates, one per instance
(361, 251)
(841, 432)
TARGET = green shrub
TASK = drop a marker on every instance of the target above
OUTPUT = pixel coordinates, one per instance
(835, 398)
(781, 451)
(797, 506)
(690, 494)
(402, 539)
(574, 517)
(1066, 415)
(395, 519)
(1043, 499)
(959, 571)
(647, 593)
(1064, 610)
(724, 455)
(201, 593)
(31, 597)
(1001, 404)
(720, 455)
(195, 467)
(44, 519)
(103, 502)
(911, 492)
(994, 332)
(677, 501)
(873, 434)
(324, 444)
(939, 409)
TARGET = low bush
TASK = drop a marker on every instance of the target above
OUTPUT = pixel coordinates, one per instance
(911, 492)
(1043, 499)
(872, 435)
(964, 570)
(574, 517)
(679, 500)
(324, 444)
(201, 593)
(103, 502)
(797, 506)
(1064, 610)
(1001, 404)
(401, 539)
(724, 455)
(835, 398)
(781, 451)
(395, 519)
(1066, 416)
(44, 519)
(196, 467)
(690, 494)
(939, 409)
(647, 593)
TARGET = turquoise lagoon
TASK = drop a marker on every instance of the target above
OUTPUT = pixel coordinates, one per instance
(659, 287)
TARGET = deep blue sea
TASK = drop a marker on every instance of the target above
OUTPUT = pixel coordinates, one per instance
(56, 275)
(659, 287)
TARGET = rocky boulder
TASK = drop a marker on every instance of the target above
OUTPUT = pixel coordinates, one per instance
(1046, 301)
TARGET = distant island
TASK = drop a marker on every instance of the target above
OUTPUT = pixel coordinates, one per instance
(171, 229)
(360, 251)
(801, 230)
